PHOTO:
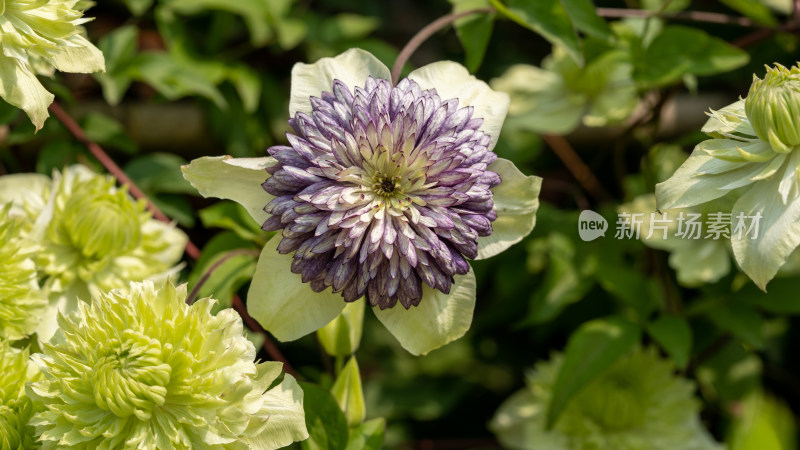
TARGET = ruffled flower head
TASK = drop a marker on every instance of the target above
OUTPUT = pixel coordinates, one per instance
(39, 36)
(16, 408)
(21, 301)
(91, 236)
(637, 403)
(145, 370)
(384, 192)
(382, 189)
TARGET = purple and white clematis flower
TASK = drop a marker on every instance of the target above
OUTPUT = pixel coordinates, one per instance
(383, 192)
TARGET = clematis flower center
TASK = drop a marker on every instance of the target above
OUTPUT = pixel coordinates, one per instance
(382, 189)
(134, 367)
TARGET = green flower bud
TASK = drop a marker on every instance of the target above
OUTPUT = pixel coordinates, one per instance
(21, 301)
(637, 403)
(101, 221)
(773, 106)
(16, 409)
(145, 370)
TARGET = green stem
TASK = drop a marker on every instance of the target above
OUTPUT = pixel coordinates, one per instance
(423, 34)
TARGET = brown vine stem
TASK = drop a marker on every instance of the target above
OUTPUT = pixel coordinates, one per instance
(693, 16)
(210, 271)
(114, 169)
(191, 249)
(423, 35)
(576, 166)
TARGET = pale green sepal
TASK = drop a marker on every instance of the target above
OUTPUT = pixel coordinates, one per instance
(728, 120)
(349, 394)
(516, 200)
(24, 190)
(342, 335)
(779, 228)
(282, 303)
(439, 319)
(80, 56)
(702, 178)
(237, 179)
(540, 101)
(700, 261)
(287, 420)
(740, 151)
(452, 80)
(351, 68)
(20, 87)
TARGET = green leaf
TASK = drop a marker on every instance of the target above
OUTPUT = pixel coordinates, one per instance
(349, 394)
(782, 297)
(247, 85)
(139, 7)
(174, 80)
(674, 335)
(546, 17)
(326, 423)
(591, 349)
(367, 436)
(232, 216)
(729, 373)
(350, 26)
(585, 18)
(567, 279)
(763, 423)
(119, 49)
(257, 14)
(159, 173)
(57, 155)
(227, 278)
(755, 10)
(678, 51)
(742, 321)
(109, 132)
(473, 31)
(639, 292)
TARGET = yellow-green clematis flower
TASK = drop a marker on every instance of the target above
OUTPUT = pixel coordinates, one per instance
(638, 403)
(754, 155)
(16, 408)
(39, 36)
(92, 237)
(21, 300)
(383, 194)
(555, 98)
(144, 370)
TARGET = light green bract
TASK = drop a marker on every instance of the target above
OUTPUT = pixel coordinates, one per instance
(21, 301)
(556, 97)
(40, 36)
(91, 236)
(636, 404)
(16, 408)
(144, 370)
(696, 259)
(278, 298)
(754, 158)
